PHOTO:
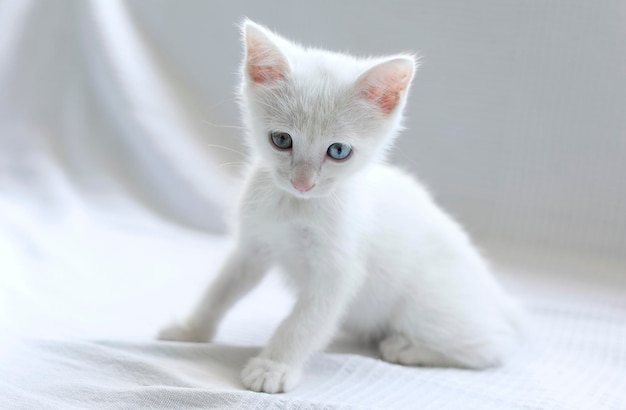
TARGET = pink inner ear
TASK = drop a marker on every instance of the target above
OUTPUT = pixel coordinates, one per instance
(385, 83)
(263, 73)
(264, 62)
(387, 98)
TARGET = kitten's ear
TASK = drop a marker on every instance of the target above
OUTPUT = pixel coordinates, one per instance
(386, 83)
(264, 61)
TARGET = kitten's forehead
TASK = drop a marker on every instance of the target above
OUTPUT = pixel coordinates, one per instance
(317, 100)
(343, 68)
(314, 102)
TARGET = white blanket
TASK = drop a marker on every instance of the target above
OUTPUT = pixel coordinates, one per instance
(576, 361)
(90, 313)
(113, 183)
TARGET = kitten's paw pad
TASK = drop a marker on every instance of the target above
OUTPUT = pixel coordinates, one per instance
(264, 375)
(182, 332)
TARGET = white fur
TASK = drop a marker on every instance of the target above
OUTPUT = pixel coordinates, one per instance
(366, 248)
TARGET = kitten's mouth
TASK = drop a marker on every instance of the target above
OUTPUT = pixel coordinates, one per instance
(299, 189)
(303, 193)
(308, 193)
(302, 188)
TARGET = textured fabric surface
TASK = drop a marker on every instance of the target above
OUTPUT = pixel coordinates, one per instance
(119, 137)
(576, 359)
(82, 296)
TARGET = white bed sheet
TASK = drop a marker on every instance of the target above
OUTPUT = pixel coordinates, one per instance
(102, 167)
(88, 292)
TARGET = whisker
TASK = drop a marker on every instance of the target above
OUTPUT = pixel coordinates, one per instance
(230, 164)
(226, 148)
(237, 127)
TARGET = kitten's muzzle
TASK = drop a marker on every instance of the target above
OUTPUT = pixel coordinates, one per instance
(302, 186)
(303, 176)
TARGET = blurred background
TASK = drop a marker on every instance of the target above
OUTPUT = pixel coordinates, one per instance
(120, 146)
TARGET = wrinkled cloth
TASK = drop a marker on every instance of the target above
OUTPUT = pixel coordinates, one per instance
(575, 359)
(119, 145)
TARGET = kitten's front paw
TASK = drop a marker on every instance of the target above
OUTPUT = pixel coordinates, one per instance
(265, 375)
(183, 332)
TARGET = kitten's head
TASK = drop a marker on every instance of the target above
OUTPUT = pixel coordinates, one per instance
(317, 117)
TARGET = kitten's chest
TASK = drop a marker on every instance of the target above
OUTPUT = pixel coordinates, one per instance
(298, 244)
(291, 226)
(292, 219)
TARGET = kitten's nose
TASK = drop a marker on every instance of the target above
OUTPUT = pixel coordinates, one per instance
(302, 186)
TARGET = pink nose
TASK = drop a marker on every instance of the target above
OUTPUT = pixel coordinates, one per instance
(302, 186)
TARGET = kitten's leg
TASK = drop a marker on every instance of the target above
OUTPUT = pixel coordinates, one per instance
(241, 272)
(473, 333)
(401, 349)
(310, 327)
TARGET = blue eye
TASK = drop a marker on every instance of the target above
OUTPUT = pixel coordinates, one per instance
(339, 151)
(281, 140)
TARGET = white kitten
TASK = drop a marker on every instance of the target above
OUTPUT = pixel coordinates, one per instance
(362, 242)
